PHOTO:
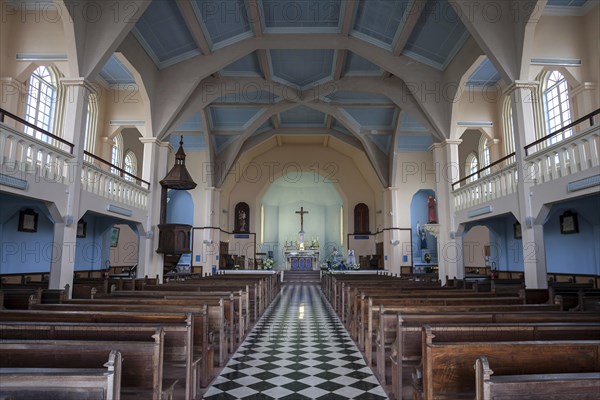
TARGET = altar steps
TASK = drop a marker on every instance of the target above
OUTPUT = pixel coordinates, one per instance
(301, 277)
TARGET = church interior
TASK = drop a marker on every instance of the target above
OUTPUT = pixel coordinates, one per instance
(278, 198)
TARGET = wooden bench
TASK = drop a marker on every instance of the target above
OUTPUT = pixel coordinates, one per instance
(554, 386)
(22, 298)
(99, 383)
(141, 372)
(402, 346)
(215, 317)
(182, 331)
(448, 373)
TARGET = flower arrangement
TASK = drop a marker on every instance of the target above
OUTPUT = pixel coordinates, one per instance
(268, 264)
(236, 266)
(353, 266)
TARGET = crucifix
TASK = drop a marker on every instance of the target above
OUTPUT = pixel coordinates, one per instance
(301, 212)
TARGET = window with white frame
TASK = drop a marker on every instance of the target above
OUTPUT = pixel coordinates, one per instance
(130, 165)
(91, 122)
(41, 102)
(471, 167)
(556, 105)
(484, 152)
(509, 131)
(116, 156)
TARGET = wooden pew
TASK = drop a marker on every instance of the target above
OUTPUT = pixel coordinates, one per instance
(373, 318)
(141, 373)
(448, 366)
(96, 383)
(407, 349)
(179, 362)
(554, 386)
(22, 298)
(216, 319)
(198, 361)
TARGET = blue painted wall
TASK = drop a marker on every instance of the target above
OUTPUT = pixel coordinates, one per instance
(418, 215)
(579, 252)
(22, 252)
(180, 210)
(506, 252)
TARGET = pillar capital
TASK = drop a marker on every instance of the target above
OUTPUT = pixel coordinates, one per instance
(82, 82)
(531, 85)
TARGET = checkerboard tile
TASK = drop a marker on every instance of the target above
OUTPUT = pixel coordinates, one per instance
(298, 350)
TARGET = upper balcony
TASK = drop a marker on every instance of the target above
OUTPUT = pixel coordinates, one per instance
(556, 169)
(37, 164)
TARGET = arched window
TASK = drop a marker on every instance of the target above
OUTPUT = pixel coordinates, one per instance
(91, 122)
(41, 102)
(471, 167)
(361, 218)
(116, 156)
(484, 154)
(130, 165)
(556, 105)
(509, 131)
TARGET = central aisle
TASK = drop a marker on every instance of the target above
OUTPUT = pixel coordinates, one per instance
(298, 350)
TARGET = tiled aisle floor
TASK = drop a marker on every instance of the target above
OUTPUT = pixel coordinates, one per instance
(298, 350)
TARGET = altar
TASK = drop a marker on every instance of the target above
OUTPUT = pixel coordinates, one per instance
(301, 259)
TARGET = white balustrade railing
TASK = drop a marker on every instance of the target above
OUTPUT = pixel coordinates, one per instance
(569, 156)
(106, 184)
(489, 187)
(22, 154)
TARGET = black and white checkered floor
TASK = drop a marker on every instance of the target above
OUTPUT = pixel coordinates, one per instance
(298, 350)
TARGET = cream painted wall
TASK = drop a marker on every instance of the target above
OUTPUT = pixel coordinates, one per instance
(414, 171)
(29, 32)
(474, 243)
(564, 37)
(126, 251)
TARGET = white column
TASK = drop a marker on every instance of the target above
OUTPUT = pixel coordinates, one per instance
(62, 264)
(534, 257)
(450, 261)
(586, 100)
(211, 235)
(156, 154)
(12, 95)
(392, 244)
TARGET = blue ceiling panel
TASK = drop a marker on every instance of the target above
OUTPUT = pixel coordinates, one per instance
(484, 75)
(382, 141)
(340, 128)
(192, 124)
(190, 142)
(267, 126)
(302, 67)
(162, 32)
(245, 66)
(231, 118)
(302, 116)
(300, 15)
(115, 72)
(438, 36)
(248, 96)
(358, 97)
(413, 143)
(225, 21)
(373, 117)
(357, 65)
(380, 20)
(221, 142)
(411, 124)
(567, 3)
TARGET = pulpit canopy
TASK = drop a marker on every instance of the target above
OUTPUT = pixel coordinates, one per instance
(178, 177)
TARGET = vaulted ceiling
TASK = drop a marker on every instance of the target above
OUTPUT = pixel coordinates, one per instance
(275, 87)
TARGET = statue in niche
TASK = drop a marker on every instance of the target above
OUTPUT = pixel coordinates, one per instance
(431, 211)
(422, 236)
(242, 218)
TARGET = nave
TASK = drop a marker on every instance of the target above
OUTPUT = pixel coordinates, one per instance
(298, 350)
